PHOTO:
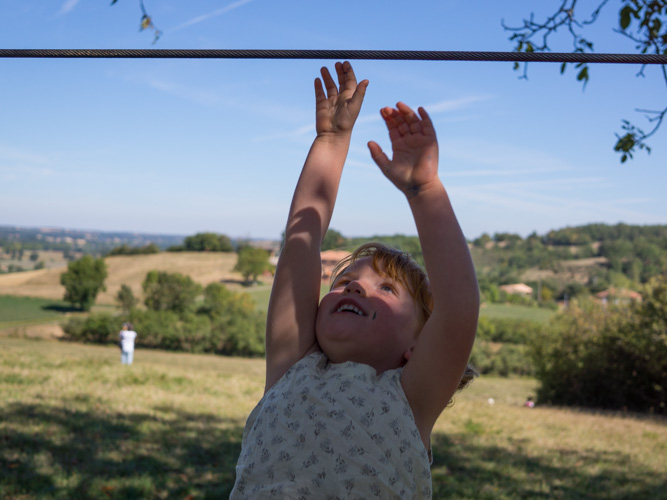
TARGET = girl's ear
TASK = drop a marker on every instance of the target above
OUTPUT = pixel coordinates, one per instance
(408, 354)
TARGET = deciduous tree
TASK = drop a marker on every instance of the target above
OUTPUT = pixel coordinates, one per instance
(126, 298)
(83, 280)
(170, 291)
(251, 263)
(208, 242)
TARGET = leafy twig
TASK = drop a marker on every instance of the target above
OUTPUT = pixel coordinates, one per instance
(649, 20)
(146, 21)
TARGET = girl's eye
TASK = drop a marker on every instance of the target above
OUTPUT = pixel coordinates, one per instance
(387, 288)
(341, 282)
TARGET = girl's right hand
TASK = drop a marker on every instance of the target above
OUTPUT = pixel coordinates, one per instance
(336, 112)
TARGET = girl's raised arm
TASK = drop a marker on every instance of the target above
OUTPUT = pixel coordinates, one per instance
(290, 328)
(434, 370)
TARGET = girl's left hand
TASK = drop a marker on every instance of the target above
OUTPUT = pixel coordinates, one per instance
(414, 164)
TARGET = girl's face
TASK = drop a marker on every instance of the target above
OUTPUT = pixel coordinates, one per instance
(368, 318)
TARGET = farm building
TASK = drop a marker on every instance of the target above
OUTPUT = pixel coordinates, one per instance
(617, 296)
(517, 289)
(329, 260)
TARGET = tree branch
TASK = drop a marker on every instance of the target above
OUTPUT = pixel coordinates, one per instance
(650, 35)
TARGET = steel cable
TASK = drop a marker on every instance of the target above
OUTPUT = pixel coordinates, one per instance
(413, 55)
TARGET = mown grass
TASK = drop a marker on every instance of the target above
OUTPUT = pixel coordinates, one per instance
(262, 293)
(15, 309)
(75, 423)
(511, 311)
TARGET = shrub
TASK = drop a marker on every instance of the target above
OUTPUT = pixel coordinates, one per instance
(125, 297)
(124, 249)
(507, 330)
(169, 291)
(607, 357)
(234, 320)
(227, 323)
(502, 360)
(100, 328)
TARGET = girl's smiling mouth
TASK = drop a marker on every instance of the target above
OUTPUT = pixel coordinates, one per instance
(349, 306)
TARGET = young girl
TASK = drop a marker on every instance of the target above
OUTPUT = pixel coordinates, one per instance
(355, 383)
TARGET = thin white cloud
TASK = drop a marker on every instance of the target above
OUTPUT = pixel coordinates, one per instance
(503, 172)
(295, 133)
(498, 158)
(206, 17)
(68, 6)
(433, 108)
(23, 172)
(439, 107)
(12, 155)
(547, 183)
(203, 97)
(540, 198)
(223, 98)
(454, 104)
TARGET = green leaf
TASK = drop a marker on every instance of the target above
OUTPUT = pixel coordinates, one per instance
(516, 66)
(562, 68)
(625, 18)
(583, 74)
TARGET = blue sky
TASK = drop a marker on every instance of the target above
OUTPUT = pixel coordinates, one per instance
(182, 146)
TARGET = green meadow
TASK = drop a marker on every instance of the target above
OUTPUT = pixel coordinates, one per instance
(15, 309)
(76, 424)
(510, 311)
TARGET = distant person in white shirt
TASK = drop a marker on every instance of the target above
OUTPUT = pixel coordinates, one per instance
(127, 336)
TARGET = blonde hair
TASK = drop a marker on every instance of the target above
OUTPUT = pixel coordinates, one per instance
(400, 267)
(397, 265)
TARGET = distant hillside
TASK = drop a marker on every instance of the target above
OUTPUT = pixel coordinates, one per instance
(562, 263)
(566, 262)
(77, 240)
(203, 267)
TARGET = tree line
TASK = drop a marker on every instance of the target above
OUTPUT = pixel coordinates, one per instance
(611, 356)
(222, 322)
(631, 256)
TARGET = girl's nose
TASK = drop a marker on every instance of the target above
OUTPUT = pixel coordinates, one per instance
(355, 286)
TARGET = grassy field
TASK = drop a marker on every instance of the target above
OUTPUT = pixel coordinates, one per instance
(538, 314)
(202, 267)
(74, 423)
(37, 317)
(14, 309)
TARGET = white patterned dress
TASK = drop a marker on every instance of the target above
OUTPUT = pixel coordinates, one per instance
(329, 431)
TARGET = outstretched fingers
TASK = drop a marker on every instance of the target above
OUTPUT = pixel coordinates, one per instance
(346, 77)
(426, 123)
(319, 91)
(329, 83)
(379, 157)
(392, 120)
(347, 82)
(412, 123)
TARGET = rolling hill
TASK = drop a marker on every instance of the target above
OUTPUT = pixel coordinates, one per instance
(202, 267)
